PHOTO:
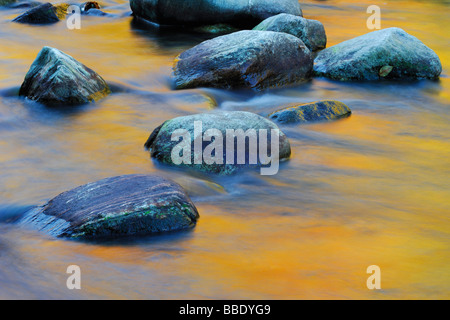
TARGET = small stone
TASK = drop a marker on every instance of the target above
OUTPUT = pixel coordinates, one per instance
(309, 112)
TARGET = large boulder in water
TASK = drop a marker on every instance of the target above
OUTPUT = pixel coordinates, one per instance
(56, 78)
(182, 142)
(244, 59)
(315, 111)
(202, 12)
(131, 205)
(385, 54)
(311, 32)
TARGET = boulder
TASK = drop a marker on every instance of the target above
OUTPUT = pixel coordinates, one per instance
(130, 205)
(43, 14)
(384, 54)
(309, 112)
(311, 32)
(162, 146)
(56, 78)
(201, 12)
(244, 59)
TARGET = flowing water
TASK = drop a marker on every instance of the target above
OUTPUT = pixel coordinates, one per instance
(369, 189)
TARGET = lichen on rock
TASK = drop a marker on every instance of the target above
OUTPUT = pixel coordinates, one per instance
(130, 205)
(324, 110)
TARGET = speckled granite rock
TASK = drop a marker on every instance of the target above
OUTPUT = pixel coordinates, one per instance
(385, 54)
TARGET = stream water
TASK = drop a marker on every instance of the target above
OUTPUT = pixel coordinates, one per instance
(371, 189)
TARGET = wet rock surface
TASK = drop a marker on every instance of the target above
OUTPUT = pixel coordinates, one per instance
(311, 32)
(385, 54)
(130, 205)
(201, 12)
(161, 145)
(244, 59)
(56, 78)
(310, 112)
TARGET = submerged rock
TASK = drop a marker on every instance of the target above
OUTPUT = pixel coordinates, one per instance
(385, 54)
(311, 32)
(43, 14)
(308, 112)
(251, 59)
(201, 12)
(193, 150)
(130, 205)
(56, 78)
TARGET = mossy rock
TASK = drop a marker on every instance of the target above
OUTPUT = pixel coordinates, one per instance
(130, 205)
(325, 110)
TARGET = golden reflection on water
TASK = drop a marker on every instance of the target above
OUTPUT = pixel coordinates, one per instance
(330, 213)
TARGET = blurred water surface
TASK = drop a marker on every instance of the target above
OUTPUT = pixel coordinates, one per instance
(369, 189)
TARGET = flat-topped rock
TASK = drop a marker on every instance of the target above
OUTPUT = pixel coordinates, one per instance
(130, 205)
